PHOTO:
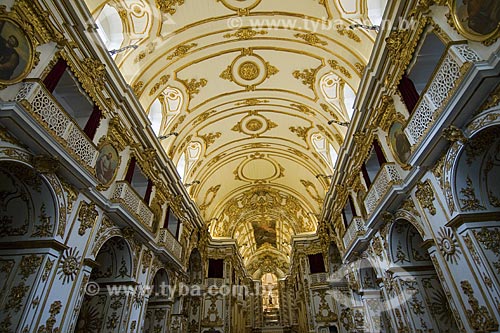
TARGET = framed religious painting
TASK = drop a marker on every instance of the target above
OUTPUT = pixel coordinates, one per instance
(16, 52)
(398, 142)
(107, 164)
(477, 20)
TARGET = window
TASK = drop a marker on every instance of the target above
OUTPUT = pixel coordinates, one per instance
(349, 211)
(172, 223)
(216, 268)
(373, 164)
(316, 263)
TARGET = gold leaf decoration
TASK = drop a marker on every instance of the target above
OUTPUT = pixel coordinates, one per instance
(334, 64)
(245, 33)
(181, 51)
(311, 38)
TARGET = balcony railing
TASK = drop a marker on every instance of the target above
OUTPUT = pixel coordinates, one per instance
(356, 229)
(446, 79)
(168, 241)
(319, 278)
(388, 175)
(218, 282)
(124, 194)
(50, 114)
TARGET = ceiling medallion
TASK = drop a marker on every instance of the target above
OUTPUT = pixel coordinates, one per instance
(254, 124)
(241, 7)
(245, 33)
(259, 169)
(248, 70)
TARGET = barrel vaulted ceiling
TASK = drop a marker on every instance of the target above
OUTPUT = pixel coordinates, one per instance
(249, 86)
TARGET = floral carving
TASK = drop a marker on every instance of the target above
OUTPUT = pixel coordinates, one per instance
(425, 196)
(470, 202)
(479, 317)
(87, 214)
(69, 265)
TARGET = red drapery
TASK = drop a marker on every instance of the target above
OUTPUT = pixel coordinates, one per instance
(130, 171)
(408, 93)
(149, 189)
(52, 79)
(93, 122)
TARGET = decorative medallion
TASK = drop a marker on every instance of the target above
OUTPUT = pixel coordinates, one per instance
(248, 70)
(476, 20)
(398, 142)
(17, 55)
(448, 245)
(258, 168)
(254, 124)
(107, 163)
(193, 86)
(69, 265)
(241, 7)
(425, 196)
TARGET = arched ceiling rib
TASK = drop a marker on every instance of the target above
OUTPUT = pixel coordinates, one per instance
(250, 76)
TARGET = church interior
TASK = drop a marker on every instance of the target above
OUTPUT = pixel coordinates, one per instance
(249, 166)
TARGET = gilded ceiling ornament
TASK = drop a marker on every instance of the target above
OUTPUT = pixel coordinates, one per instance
(242, 8)
(245, 33)
(163, 81)
(45, 164)
(425, 196)
(302, 109)
(334, 64)
(308, 76)
(210, 138)
(341, 29)
(138, 88)
(300, 131)
(248, 70)
(311, 189)
(252, 102)
(254, 124)
(311, 38)
(69, 265)
(193, 86)
(168, 6)
(87, 214)
(325, 133)
(448, 245)
(360, 68)
(150, 48)
(479, 317)
(470, 202)
(178, 122)
(209, 196)
(181, 50)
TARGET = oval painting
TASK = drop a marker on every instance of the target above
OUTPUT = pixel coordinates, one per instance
(107, 164)
(477, 19)
(399, 143)
(16, 52)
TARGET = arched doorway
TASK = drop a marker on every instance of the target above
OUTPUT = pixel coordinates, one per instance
(270, 300)
(416, 296)
(29, 221)
(105, 306)
(159, 304)
(193, 301)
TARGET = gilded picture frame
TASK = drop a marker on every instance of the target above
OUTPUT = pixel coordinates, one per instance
(477, 20)
(398, 143)
(107, 164)
(17, 54)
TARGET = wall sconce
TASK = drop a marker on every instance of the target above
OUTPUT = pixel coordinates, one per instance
(364, 26)
(341, 123)
(161, 137)
(115, 51)
(192, 183)
(324, 176)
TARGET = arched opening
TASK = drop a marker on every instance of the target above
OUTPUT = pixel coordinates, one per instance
(193, 302)
(107, 308)
(159, 304)
(414, 275)
(477, 173)
(110, 27)
(270, 300)
(28, 215)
